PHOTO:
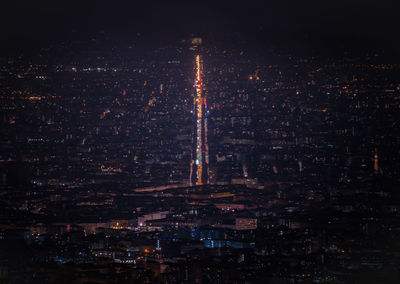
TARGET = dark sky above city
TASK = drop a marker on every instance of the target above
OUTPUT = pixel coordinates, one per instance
(372, 21)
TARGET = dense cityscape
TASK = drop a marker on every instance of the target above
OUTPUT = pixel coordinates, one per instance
(204, 158)
(96, 159)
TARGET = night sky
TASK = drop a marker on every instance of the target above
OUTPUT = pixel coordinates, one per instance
(369, 22)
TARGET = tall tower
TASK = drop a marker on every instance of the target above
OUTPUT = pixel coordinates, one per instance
(201, 162)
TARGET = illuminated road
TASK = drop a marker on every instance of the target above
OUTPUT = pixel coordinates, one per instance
(201, 125)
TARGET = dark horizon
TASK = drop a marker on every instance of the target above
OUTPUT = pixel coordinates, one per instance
(328, 25)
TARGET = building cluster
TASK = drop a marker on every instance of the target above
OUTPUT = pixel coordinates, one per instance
(96, 156)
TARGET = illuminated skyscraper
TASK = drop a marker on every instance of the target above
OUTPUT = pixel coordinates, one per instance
(201, 161)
